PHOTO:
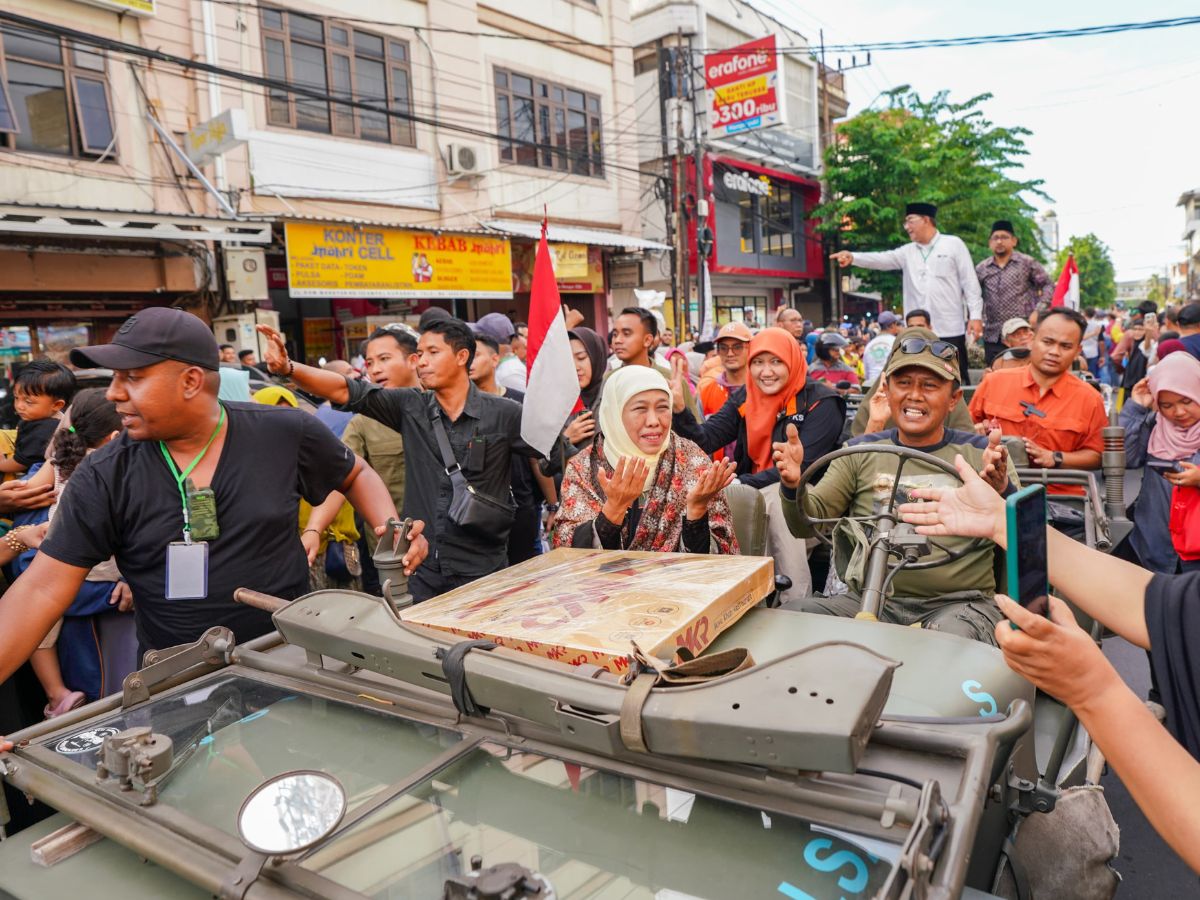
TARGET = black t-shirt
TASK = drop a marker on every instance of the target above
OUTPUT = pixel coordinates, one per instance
(33, 438)
(1173, 622)
(122, 501)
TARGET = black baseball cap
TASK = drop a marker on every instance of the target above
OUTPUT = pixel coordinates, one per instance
(151, 336)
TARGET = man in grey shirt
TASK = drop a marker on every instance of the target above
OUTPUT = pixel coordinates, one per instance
(938, 276)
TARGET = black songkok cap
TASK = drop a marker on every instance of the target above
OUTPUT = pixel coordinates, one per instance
(921, 209)
(1002, 225)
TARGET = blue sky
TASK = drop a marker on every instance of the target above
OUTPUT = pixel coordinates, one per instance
(1116, 130)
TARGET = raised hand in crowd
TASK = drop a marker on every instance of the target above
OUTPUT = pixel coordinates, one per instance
(879, 410)
(714, 480)
(1142, 395)
(995, 462)
(582, 427)
(843, 258)
(789, 457)
(573, 317)
(678, 394)
(275, 355)
(623, 488)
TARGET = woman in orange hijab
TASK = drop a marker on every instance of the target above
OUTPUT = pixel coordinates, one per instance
(777, 394)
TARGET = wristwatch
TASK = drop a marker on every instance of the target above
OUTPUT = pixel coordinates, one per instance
(1058, 459)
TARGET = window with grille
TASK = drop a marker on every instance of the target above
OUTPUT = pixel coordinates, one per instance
(53, 96)
(341, 62)
(547, 125)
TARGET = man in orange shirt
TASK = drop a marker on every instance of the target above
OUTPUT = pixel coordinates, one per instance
(732, 341)
(1060, 417)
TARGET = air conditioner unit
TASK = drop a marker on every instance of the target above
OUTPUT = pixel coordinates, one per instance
(463, 159)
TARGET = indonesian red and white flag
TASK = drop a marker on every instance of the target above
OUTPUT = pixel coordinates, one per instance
(1066, 292)
(551, 390)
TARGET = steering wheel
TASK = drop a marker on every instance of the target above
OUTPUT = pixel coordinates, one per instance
(906, 455)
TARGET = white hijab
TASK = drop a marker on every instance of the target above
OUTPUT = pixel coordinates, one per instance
(619, 388)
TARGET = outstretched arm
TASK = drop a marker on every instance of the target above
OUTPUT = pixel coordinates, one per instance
(1062, 659)
(1108, 589)
(321, 382)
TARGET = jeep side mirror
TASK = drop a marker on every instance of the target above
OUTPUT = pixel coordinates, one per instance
(291, 812)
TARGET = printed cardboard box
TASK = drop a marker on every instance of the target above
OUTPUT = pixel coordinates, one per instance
(587, 606)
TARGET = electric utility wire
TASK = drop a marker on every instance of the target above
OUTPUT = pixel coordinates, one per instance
(917, 44)
(82, 37)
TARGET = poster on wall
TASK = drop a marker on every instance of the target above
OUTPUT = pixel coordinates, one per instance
(363, 261)
(745, 88)
(582, 272)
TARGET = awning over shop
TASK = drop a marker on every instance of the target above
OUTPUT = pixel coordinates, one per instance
(63, 221)
(569, 235)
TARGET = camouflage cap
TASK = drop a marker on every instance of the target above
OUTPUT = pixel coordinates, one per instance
(927, 357)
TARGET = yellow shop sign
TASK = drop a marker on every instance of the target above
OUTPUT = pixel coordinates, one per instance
(363, 261)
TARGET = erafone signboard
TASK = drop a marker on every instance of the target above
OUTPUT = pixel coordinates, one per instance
(745, 88)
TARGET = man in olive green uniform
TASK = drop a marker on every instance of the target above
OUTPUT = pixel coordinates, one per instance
(865, 423)
(391, 354)
(921, 384)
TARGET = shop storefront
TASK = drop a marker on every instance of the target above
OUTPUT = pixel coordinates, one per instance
(72, 276)
(765, 251)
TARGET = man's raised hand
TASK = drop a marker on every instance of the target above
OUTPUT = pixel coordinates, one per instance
(843, 258)
(276, 355)
(995, 462)
(789, 457)
(972, 510)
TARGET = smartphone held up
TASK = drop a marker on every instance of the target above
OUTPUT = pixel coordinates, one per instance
(1028, 580)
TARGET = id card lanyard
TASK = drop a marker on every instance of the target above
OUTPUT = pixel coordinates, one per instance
(181, 477)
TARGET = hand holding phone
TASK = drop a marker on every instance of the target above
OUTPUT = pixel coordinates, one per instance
(1165, 465)
(1026, 563)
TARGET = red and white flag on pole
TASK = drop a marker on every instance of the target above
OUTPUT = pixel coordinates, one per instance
(1066, 292)
(552, 390)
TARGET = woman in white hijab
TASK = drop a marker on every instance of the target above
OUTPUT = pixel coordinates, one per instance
(639, 486)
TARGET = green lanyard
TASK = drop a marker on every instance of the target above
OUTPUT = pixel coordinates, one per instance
(181, 477)
(924, 255)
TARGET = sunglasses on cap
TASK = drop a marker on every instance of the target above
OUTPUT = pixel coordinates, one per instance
(401, 328)
(940, 349)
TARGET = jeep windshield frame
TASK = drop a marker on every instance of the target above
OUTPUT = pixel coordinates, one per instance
(868, 810)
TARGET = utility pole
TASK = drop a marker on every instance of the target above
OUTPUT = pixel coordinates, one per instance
(833, 243)
(681, 244)
(701, 201)
(666, 82)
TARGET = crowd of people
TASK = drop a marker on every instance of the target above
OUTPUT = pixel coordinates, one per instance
(158, 497)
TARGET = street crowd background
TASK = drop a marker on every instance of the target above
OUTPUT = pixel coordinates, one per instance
(287, 489)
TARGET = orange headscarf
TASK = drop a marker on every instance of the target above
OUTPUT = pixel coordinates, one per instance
(760, 410)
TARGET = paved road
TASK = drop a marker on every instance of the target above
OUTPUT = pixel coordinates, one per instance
(1148, 867)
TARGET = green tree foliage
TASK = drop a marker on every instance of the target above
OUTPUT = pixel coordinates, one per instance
(933, 151)
(1097, 277)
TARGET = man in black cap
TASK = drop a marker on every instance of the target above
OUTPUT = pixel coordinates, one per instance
(938, 276)
(1013, 284)
(1189, 328)
(194, 498)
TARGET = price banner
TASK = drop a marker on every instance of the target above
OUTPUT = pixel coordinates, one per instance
(744, 88)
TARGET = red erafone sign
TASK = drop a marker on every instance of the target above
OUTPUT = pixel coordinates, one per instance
(744, 87)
